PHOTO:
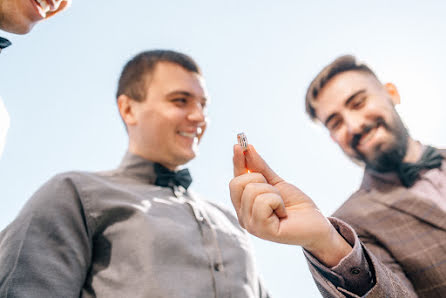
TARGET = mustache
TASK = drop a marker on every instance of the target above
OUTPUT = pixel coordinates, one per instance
(365, 130)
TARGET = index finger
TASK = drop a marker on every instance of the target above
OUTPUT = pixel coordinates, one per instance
(237, 186)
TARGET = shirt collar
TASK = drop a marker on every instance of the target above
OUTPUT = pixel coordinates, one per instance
(136, 166)
(4, 43)
(373, 179)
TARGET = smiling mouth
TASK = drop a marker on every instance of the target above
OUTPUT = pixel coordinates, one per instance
(188, 134)
(368, 136)
(365, 136)
(43, 5)
(193, 134)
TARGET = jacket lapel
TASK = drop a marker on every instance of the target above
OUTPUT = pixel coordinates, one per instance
(402, 200)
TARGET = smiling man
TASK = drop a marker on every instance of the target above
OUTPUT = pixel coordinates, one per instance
(358, 111)
(388, 238)
(137, 231)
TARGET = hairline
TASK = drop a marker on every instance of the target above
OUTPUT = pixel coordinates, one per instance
(311, 110)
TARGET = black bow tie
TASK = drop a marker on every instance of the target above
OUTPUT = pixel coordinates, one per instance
(4, 43)
(410, 172)
(167, 178)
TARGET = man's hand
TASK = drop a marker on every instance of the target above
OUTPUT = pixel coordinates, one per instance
(272, 209)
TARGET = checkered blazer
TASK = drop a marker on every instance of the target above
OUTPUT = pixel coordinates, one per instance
(405, 237)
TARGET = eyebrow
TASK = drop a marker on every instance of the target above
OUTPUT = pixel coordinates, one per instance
(347, 102)
(184, 93)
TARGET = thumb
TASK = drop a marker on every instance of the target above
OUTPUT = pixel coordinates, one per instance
(239, 161)
(255, 163)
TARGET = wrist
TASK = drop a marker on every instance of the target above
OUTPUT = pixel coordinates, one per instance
(331, 248)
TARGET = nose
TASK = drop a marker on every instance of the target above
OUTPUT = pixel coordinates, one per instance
(197, 114)
(354, 126)
(353, 123)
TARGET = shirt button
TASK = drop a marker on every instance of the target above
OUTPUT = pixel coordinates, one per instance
(217, 267)
(355, 270)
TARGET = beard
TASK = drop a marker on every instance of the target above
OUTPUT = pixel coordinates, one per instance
(385, 157)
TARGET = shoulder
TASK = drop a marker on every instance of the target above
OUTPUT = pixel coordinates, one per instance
(55, 202)
(79, 180)
(63, 188)
(60, 185)
(70, 177)
(63, 192)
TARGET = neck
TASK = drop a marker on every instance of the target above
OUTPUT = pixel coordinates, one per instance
(414, 150)
(145, 155)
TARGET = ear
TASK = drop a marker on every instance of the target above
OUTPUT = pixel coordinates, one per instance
(127, 110)
(393, 92)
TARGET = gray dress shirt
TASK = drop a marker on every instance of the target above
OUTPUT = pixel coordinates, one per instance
(115, 234)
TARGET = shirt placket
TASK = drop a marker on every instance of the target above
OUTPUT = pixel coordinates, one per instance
(210, 242)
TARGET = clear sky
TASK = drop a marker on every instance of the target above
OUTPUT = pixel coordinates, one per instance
(258, 57)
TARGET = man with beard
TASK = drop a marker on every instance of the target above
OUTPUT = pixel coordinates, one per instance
(388, 239)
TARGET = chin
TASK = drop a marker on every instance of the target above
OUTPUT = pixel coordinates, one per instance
(189, 157)
(185, 158)
(21, 29)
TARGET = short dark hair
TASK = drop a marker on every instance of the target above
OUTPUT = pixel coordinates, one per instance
(135, 75)
(339, 65)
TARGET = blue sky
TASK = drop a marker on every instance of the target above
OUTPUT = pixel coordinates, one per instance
(258, 57)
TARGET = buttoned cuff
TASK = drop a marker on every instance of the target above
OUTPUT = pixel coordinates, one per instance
(353, 271)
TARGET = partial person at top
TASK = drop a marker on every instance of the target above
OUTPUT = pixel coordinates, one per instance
(19, 17)
(388, 239)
